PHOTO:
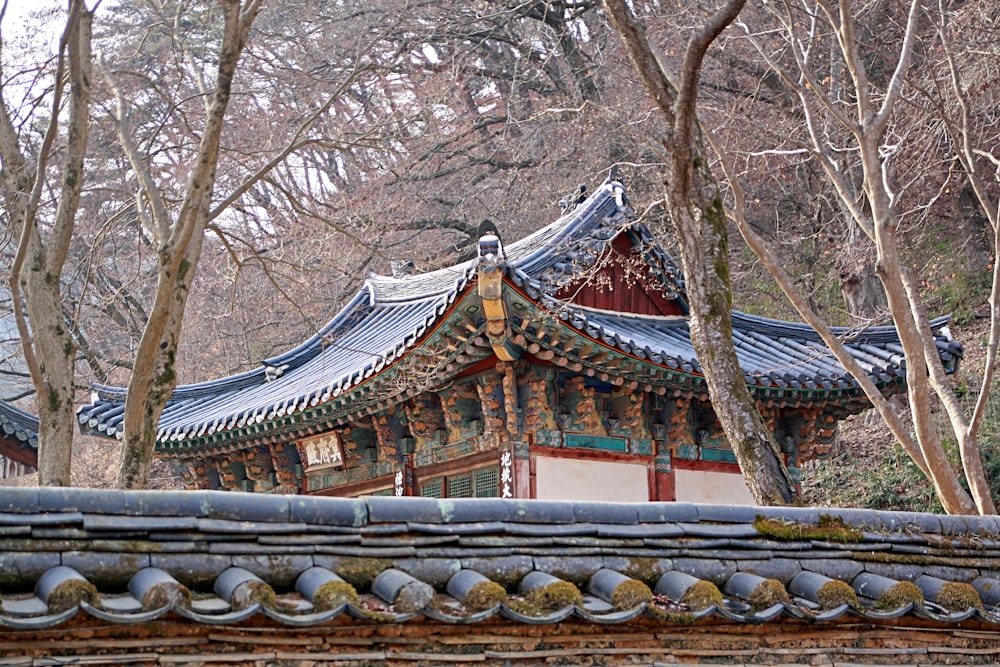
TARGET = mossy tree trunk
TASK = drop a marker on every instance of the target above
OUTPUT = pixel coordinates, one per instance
(36, 272)
(696, 209)
(179, 242)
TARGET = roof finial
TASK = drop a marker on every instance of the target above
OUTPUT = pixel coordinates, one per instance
(402, 267)
(571, 201)
(490, 246)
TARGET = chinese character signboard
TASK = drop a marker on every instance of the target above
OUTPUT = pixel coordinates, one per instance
(322, 451)
(398, 485)
(506, 474)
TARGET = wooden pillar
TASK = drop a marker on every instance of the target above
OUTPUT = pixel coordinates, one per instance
(510, 400)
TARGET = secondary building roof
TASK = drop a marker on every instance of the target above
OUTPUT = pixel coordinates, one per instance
(18, 435)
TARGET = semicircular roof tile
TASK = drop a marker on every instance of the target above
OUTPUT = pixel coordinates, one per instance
(681, 562)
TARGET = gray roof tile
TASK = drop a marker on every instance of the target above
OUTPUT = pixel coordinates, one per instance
(274, 551)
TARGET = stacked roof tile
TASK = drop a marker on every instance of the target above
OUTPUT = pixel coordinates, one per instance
(220, 558)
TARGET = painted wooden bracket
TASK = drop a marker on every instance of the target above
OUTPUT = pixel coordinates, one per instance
(490, 283)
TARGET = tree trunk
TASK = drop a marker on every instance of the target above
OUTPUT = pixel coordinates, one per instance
(49, 350)
(704, 253)
(695, 205)
(154, 376)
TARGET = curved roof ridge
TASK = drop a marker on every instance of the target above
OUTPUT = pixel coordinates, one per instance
(525, 253)
(602, 311)
(313, 345)
(856, 335)
(392, 289)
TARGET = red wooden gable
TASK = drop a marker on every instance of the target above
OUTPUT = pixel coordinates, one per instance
(623, 282)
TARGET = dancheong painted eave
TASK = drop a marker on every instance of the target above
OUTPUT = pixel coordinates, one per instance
(18, 435)
(347, 367)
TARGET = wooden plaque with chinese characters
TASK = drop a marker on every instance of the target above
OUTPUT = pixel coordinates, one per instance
(322, 451)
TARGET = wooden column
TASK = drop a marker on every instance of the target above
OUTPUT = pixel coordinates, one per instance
(664, 483)
(673, 432)
(389, 431)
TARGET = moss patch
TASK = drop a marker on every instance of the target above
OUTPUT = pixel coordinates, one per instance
(250, 592)
(767, 594)
(630, 594)
(361, 572)
(332, 594)
(671, 616)
(484, 595)
(70, 593)
(900, 594)
(829, 528)
(643, 569)
(164, 594)
(956, 596)
(835, 593)
(547, 599)
(702, 595)
(378, 616)
(558, 595)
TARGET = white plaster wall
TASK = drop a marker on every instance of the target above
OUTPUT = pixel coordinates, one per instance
(698, 486)
(573, 479)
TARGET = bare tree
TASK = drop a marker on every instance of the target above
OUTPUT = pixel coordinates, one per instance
(867, 114)
(695, 203)
(178, 238)
(43, 242)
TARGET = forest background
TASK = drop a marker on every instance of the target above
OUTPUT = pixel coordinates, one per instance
(363, 135)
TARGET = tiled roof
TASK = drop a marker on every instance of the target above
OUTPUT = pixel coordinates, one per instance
(389, 316)
(20, 431)
(220, 558)
(772, 353)
(383, 321)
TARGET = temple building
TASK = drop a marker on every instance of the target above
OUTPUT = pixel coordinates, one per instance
(556, 367)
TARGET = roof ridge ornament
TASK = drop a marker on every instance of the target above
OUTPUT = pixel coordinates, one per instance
(574, 199)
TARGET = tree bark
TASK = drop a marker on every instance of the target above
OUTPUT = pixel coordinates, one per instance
(696, 209)
(154, 376)
(36, 272)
